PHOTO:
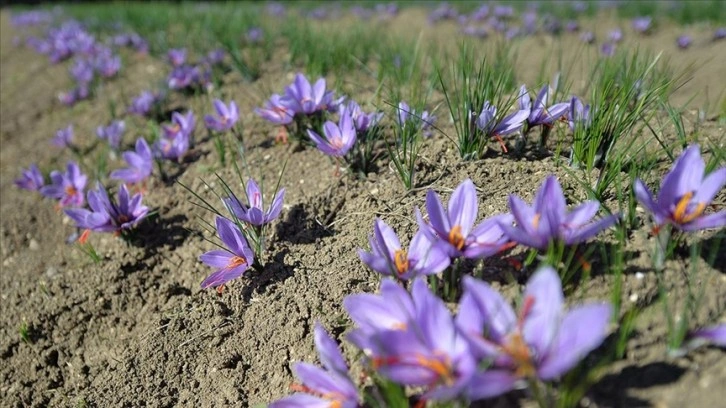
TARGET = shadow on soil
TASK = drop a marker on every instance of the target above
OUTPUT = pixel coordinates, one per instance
(612, 389)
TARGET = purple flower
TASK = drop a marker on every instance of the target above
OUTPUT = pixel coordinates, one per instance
(571, 26)
(254, 35)
(216, 56)
(64, 137)
(642, 24)
(486, 121)
(180, 125)
(31, 179)
(607, 49)
(303, 98)
(548, 220)
(66, 187)
(142, 104)
(112, 133)
(328, 387)
(409, 117)
(425, 351)
(719, 34)
(578, 114)
(230, 263)
(184, 76)
(177, 56)
(339, 139)
(108, 65)
(455, 228)
(540, 113)
(715, 335)
(254, 213)
(82, 71)
(543, 341)
(227, 116)
(140, 164)
(684, 41)
(276, 111)
(108, 216)
(685, 193)
(615, 35)
(361, 120)
(388, 258)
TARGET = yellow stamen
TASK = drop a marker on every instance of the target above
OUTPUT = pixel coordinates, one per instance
(400, 259)
(680, 216)
(455, 237)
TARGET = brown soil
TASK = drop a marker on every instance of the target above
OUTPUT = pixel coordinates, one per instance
(136, 330)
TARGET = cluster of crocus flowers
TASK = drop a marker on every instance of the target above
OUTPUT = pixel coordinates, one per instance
(547, 220)
(485, 350)
(227, 116)
(361, 121)
(245, 226)
(175, 139)
(106, 215)
(112, 133)
(66, 187)
(685, 194)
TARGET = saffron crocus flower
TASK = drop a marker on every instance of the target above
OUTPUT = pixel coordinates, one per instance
(108, 216)
(108, 65)
(185, 76)
(539, 112)
(549, 221)
(66, 187)
(423, 257)
(112, 133)
(276, 111)
(180, 124)
(177, 56)
(428, 352)
(140, 164)
(329, 386)
(719, 34)
(254, 213)
(684, 41)
(64, 137)
(142, 104)
(227, 116)
(455, 228)
(230, 263)
(615, 35)
(685, 193)
(642, 24)
(543, 341)
(715, 335)
(608, 49)
(31, 179)
(82, 71)
(486, 121)
(361, 120)
(338, 140)
(307, 99)
(578, 114)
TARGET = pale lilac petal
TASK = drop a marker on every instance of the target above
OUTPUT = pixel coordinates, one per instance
(216, 258)
(582, 214)
(483, 311)
(437, 215)
(585, 233)
(328, 351)
(300, 400)
(710, 186)
(491, 383)
(463, 207)
(223, 276)
(544, 290)
(716, 220)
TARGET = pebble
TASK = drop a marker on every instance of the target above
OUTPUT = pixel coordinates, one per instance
(33, 245)
(374, 191)
(51, 272)
(633, 298)
(639, 275)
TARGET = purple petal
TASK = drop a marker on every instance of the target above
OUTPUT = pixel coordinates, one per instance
(300, 400)
(329, 352)
(710, 186)
(484, 312)
(585, 233)
(463, 206)
(223, 276)
(716, 220)
(491, 383)
(714, 334)
(231, 236)
(686, 176)
(438, 217)
(543, 296)
(217, 258)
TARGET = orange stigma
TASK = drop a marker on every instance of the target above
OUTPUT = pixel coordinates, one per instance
(455, 237)
(236, 261)
(442, 368)
(535, 220)
(400, 259)
(680, 216)
(70, 190)
(84, 236)
(501, 143)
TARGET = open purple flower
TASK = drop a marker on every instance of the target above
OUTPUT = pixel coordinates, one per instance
(685, 193)
(276, 111)
(328, 387)
(548, 221)
(642, 24)
(454, 228)
(539, 112)
(175, 140)
(66, 187)
(142, 104)
(108, 216)
(255, 214)
(31, 179)
(230, 263)
(427, 351)
(177, 56)
(227, 116)
(339, 139)
(487, 121)
(306, 99)
(140, 164)
(64, 137)
(112, 133)
(543, 341)
(423, 257)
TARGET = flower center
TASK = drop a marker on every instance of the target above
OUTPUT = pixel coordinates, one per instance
(123, 218)
(440, 366)
(535, 220)
(70, 190)
(681, 216)
(515, 346)
(336, 142)
(400, 259)
(236, 261)
(455, 237)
